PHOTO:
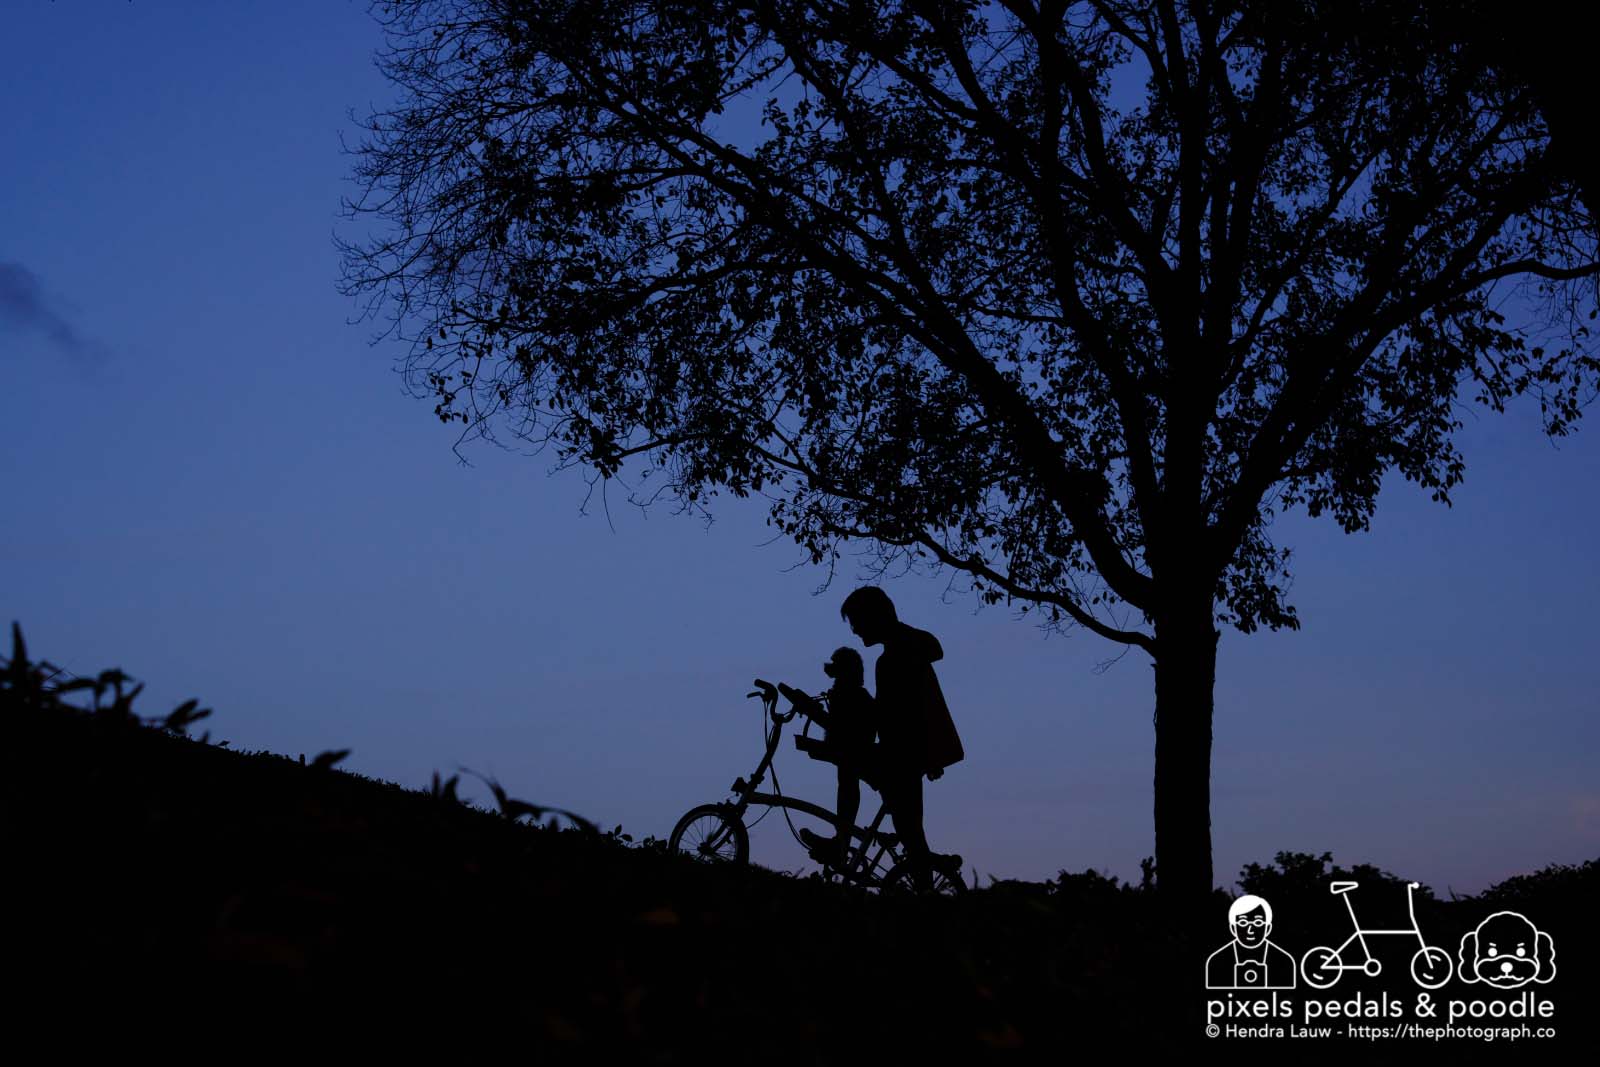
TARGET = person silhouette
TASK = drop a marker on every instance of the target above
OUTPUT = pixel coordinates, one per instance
(917, 737)
(851, 724)
(1250, 961)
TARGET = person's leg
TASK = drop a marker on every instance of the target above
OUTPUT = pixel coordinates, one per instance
(849, 804)
(903, 793)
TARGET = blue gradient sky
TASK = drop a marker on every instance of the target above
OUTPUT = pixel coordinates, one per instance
(214, 482)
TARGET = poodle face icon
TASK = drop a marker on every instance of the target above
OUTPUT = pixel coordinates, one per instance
(1507, 951)
(1250, 960)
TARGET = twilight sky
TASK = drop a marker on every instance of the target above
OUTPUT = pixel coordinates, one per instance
(214, 482)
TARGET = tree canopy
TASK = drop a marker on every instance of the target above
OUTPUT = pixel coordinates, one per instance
(1070, 297)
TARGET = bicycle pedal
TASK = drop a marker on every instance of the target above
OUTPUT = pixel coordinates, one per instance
(823, 850)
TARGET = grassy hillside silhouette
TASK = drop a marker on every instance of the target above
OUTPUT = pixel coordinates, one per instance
(151, 866)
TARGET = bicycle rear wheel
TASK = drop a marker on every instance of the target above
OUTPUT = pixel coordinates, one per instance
(711, 833)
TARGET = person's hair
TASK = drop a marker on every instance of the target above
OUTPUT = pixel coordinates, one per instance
(868, 602)
(847, 665)
(1248, 903)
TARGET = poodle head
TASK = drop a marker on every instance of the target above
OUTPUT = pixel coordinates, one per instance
(1506, 951)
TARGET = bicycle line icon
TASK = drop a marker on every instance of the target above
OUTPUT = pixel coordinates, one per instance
(1322, 966)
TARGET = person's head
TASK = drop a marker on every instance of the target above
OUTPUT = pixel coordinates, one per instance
(1250, 919)
(870, 613)
(845, 667)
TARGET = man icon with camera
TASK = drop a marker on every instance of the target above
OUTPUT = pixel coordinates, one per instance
(1250, 961)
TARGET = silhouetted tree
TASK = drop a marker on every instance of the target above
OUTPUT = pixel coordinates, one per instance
(1536, 47)
(1070, 297)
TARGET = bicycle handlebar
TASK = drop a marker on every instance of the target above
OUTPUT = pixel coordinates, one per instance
(769, 697)
(803, 703)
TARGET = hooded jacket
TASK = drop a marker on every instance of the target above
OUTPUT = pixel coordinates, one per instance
(914, 722)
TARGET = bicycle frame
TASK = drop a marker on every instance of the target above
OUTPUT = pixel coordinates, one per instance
(1361, 935)
(863, 865)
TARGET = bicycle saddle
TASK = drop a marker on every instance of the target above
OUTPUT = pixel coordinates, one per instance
(1342, 887)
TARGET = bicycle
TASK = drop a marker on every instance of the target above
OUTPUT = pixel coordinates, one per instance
(1323, 966)
(875, 859)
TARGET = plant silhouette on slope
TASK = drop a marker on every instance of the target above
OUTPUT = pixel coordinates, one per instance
(25, 684)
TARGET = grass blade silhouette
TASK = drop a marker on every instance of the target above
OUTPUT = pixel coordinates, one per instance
(326, 760)
(447, 791)
(184, 714)
(514, 809)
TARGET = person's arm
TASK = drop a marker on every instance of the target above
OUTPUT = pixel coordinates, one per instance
(818, 713)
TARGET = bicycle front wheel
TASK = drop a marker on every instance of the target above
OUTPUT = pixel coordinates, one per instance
(1430, 967)
(711, 833)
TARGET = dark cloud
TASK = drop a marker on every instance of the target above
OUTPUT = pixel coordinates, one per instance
(23, 310)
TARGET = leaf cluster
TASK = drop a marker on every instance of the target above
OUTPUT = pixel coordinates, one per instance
(37, 685)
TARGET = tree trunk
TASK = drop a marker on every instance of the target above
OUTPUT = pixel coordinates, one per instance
(1186, 670)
